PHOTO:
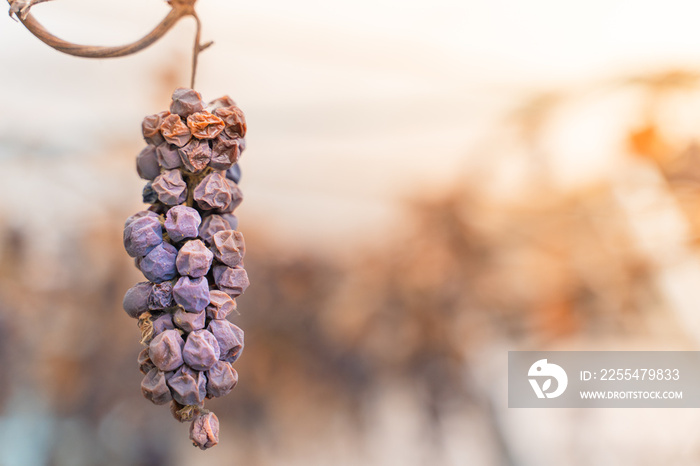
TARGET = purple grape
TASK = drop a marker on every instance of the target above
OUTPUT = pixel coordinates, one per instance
(171, 188)
(225, 152)
(186, 102)
(149, 195)
(138, 215)
(201, 350)
(161, 296)
(165, 350)
(168, 156)
(159, 264)
(231, 280)
(154, 387)
(191, 293)
(221, 378)
(189, 321)
(142, 235)
(194, 259)
(213, 192)
(136, 299)
(162, 323)
(229, 337)
(151, 128)
(144, 361)
(220, 305)
(147, 163)
(188, 386)
(195, 155)
(232, 220)
(221, 102)
(212, 224)
(182, 222)
(204, 431)
(229, 247)
(236, 198)
(234, 173)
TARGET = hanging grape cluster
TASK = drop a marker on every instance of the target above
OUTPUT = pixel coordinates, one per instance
(188, 247)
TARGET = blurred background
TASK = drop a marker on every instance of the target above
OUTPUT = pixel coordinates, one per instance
(428, 185)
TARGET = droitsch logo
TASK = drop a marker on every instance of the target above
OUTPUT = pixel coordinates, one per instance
(542, 370)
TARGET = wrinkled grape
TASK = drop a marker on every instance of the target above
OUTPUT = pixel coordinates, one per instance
(213, 192)
(232, 280)
(154, 387)
(188, 386)
(151, 128)
(161, 296)
(212, 224)
(142, 235)
(147, 164)
(192, 293)
(235, 120)
(225, 152)
(136, 299)
(182, 222)
(159, 264)
(204, 431)
(174, 131)
(221, 378)
(144, 361)
(234, 173)
(168, 156)
(220, 305)
(186, 101)
(162, 323)
(171, 188)
(194, 259)
(201, 350)
(149, 195)
(189, 321)
(229, 247)
(236, 198)
(204, 125)
(165, 350)
(195, 156)
(229, 337)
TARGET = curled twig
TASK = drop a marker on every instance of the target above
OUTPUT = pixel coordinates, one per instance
(180, 9)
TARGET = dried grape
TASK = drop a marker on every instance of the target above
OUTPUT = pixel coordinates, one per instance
(142, 235)
(159, 264)
(221, 378)
(204, 431)
(194, 259)
(182, 222)
(213, 192)
(186, 102)
(229, 337)
(195, 156)
(168, 156)
(147, 163)
(174, 131)
(201, 350)
(220, 305)
(192, 293)
(204, 125)
(171, 188)
(165, 350)
(228, 247)
(188, 386)
(154, 387)
(189, 321)
(136, 299)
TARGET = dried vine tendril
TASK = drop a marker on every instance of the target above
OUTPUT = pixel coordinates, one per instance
(179, 9)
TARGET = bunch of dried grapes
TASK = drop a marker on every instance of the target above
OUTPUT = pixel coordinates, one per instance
(187, 246)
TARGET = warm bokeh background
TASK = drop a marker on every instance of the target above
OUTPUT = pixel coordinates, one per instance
(428, 185)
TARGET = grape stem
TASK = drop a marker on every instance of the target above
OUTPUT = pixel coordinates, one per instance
(179, 9)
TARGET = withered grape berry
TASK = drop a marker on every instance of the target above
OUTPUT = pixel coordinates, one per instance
(196, 155)
(171, 188)
(186, 102)
(159, 264)
(228, 246)
(204, 431)
(204, 125)
(147, 163)
(182, 222)
(149, 195)
(136, 299)
(145, 363)
(229, 337)
(165, 350)
(142, 235)
(151, 128)
(213, 192)
(188, 247)
(189, 387)
(234, 173)
(232, 280)
(201, 350)
(220, 305)
(161, 296)
(162, 323)
(192, 293)
(236, 198)
(221, 378)
(194, 259)
(174, 131)
(189, 321)
(168, 156)
(154, 387)
(211, 225)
